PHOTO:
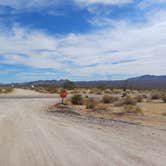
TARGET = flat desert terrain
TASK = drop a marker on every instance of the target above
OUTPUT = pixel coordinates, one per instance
(30, 136)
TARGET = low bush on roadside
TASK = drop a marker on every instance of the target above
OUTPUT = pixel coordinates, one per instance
(77, 99)
(128, 100)
(130, 109)
(91, 103)
(139, 98)
(109, 99)
(5, 90)
(164, 114)
(108, 91)
(100, 107)
(164, 98)
(155, 96)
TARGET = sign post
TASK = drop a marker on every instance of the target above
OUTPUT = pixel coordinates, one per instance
(63, 94)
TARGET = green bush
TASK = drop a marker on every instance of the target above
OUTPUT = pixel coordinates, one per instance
(77, 99)
(69, 85)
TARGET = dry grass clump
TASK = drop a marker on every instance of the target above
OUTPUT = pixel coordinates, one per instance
(75, 91)
(109, 99)
(91, 103)
(164, 114)
(108, 91)
(128, 100)
(117, 91)
(130, 109)
(139, 98)
(77, 99)
(100, 107)
(164, 98)
(155, 96)
(44, 89)
(5, 90)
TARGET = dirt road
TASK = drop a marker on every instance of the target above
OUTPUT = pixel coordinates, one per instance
(31, 137)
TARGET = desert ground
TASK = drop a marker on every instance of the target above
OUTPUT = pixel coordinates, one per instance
(32, 136)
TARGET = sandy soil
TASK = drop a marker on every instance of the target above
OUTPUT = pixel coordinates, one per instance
(31, 137)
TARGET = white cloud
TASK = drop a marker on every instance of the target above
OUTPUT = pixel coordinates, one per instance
(123, 49)
(106, 2)
(29, 4)
(147, 3)
(39, 4)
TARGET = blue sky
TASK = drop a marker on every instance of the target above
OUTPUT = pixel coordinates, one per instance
(81, 39)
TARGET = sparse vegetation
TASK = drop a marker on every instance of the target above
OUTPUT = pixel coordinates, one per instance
(129, 101)
(69, 85)
(156, 96)
(5, 90)
(164, 98)
(77, 99)
(109, 99)
(130, 109)
(91, 103)
(135, 106)
(139, 98)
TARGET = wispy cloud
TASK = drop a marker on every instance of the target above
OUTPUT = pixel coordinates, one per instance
(105, 2)
(92, 53)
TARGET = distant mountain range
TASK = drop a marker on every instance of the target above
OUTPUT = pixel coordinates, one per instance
(143, 82)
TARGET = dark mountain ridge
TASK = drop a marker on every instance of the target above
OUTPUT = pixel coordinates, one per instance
(142, 82)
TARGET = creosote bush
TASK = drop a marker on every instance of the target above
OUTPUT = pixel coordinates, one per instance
(128, 100)
(6, 89)
(109, 99)
(155, 96)
(130, 109)
(164, 98)
(139, 98)
(77, 99)
(91, 103)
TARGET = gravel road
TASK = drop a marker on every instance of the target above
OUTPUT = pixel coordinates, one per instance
(31, 137)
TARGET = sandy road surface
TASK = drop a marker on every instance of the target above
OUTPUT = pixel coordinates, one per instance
(31, 137)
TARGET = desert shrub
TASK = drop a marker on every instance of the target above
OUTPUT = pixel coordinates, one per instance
(6, 90)
(139, 98)
(164, 98)
(69, 85)
(100, 107)
(155, 96)
(124, 94)
(133, 109)
(98, 92)
(91, 103)
(109, 99)
(74, 91)
(116, 91)
(102, 86)
(77, 99)
(108, 91)
(144, 96)
(164, 114)
(86, 96)
(128, 100)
